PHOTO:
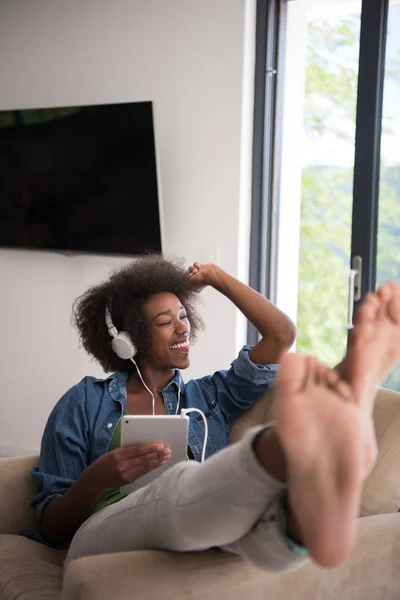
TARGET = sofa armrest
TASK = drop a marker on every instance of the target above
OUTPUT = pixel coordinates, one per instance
(372, 571)
(381, 493)
(16, 492)
(386, 412)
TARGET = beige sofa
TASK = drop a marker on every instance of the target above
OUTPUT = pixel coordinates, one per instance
(31, 571)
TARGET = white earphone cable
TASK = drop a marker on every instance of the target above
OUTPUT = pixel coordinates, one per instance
(179, 394)
(151, 393)
(148, 389)
(184, 412)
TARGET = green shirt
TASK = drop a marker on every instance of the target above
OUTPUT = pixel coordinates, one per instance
(111, 495)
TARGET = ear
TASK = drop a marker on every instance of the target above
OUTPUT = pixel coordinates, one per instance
(123, 346)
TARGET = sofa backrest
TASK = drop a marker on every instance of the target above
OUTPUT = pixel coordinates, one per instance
(381, 491)
(262, 412)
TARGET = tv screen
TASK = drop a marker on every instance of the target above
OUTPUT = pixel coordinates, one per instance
(79, 179)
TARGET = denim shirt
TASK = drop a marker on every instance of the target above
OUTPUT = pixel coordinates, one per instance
(81, 425)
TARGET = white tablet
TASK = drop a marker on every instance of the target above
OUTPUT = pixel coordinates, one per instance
(169, 429)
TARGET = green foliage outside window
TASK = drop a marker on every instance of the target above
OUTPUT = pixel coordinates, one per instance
(326, 205)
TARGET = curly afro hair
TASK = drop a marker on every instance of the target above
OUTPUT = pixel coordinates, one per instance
(124, 293)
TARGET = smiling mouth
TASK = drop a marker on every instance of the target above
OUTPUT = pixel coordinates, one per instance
(182, 348)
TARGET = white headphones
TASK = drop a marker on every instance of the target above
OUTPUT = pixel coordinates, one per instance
(124, 348)
(121, 342)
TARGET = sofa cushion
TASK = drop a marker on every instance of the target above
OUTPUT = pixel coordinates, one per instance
(29, 569)
(381, 492)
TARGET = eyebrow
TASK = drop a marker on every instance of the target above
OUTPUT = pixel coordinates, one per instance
(166, 312)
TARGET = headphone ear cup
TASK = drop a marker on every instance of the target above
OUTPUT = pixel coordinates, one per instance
(123, 346)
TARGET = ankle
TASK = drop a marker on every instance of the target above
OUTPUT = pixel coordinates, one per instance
(269, 453)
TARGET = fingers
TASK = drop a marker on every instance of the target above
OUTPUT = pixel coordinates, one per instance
(142, 449)
(136, 472)
(152, 459)
(140, 465)
(195, 268)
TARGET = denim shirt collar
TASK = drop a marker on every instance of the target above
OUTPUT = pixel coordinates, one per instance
(116, 384)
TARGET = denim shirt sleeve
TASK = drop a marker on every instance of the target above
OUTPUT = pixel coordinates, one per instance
(241, 386)
(64, 449)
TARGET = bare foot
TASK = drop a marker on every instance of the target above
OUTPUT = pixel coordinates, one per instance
(374, 343)
(321, 429)
(374, 349)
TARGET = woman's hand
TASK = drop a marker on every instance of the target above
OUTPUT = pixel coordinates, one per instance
(65, 514)
(201, 275)
(128, 463)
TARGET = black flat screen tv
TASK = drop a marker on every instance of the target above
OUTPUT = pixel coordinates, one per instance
(80, 179)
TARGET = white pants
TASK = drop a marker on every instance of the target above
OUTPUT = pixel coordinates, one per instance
(229, 501)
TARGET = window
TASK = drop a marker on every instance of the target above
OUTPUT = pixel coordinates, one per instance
(316, 177)
(331, 198)
(388, 248)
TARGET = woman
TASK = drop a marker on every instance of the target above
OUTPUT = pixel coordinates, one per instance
(237, 499)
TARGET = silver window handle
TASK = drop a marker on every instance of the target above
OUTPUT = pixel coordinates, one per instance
(354, 288)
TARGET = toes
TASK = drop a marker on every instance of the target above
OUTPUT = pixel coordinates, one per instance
(385, 292)
(292, 374)
(389, 295)
(313, 374)
(369, 309)
(298, 373)
(326, 376)
(377, 306)
(344, 390)
(394, 304)
(331, 378)
(322, 376)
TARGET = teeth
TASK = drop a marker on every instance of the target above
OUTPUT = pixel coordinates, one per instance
(182, 345)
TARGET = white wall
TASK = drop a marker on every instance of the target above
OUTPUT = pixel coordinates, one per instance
(194, 60)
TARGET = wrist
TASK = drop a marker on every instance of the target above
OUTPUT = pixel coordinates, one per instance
(216, 278)
(268, 451)
(93, 482)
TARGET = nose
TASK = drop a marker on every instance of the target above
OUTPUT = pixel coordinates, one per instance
(181, 328)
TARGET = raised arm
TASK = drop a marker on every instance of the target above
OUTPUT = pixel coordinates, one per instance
(277, 331)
